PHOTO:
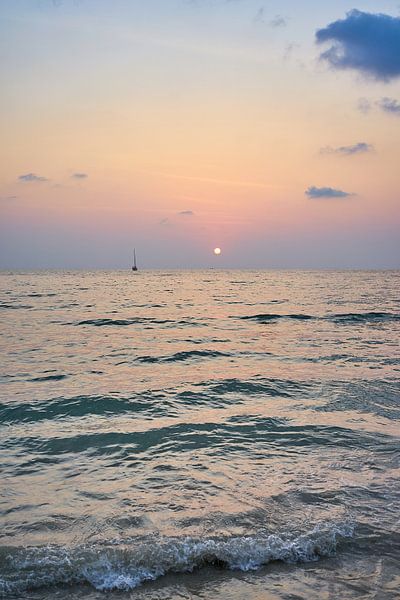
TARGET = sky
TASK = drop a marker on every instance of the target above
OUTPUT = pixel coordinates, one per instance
(268, 129)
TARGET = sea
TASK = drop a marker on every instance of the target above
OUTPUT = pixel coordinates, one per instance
(210, 434)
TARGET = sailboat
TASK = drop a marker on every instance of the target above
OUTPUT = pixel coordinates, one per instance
(134, 266)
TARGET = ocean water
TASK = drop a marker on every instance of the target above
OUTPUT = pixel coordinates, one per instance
(206, 434)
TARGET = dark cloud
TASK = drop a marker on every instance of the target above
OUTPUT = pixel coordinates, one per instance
(32, 177)
(8, 198)
(359, 148)
(326, 192)
(186, 213)
(278, 21)
(389, 105)
(366, 42)
(79, 176)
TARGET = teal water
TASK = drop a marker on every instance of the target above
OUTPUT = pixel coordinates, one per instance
(208, 434)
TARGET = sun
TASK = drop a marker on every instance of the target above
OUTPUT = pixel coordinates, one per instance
(217, 251)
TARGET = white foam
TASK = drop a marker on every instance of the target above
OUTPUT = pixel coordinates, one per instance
(126, 566)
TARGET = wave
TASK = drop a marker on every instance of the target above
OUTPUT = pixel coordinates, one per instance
(272, 387)
(345, 318)
(107, 322)
(366, 317)
(240, 434)
(120, 322)
(267, 317)
(182, 356)
(49, 378)
(378, 397)
(124, 566)
(81, 406)
(38, 295)
(154, 403)
(7, 306)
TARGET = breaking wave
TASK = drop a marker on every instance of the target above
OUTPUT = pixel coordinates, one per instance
(124, 566)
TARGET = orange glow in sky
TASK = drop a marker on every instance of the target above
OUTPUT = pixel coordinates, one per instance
(188, 122)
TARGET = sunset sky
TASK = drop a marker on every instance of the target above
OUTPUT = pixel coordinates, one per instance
(268, 129)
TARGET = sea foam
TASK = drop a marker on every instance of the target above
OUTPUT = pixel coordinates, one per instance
(126, 565)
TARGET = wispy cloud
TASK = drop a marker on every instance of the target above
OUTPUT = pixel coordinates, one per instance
(79, 176)
(389, 105)
(8, 198)
(186, 213)
(359, 148)
(364, 105)
(278, 21)
(31, 177)
(275, 22)
(366, 42)
(260, 15)
(326, 192)
(385, 104)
